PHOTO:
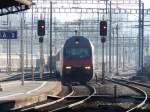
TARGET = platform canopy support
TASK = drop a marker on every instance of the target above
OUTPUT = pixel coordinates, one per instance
(14, 6)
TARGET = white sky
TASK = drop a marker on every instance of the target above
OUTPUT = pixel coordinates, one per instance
(146, 3)
(75, 16)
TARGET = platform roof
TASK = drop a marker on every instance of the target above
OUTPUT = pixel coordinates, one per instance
(12, 6)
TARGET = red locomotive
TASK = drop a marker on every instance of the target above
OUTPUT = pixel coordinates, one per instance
(74, 62)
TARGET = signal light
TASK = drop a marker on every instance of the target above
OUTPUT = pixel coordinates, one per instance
(103, 39)
(103, 28)
(41, 39)
(41, 27)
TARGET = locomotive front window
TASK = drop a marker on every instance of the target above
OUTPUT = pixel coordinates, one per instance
(77, 53)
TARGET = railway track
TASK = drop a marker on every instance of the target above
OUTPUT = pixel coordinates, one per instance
(51, 100)
(133, 85)
(28, 76)
(145, 87)
(64, 103)
(78, 95)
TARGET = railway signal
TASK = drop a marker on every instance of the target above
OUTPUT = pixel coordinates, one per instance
(41, 33)
(103, 28)
(103, 39)
(41, 27)
(41, 40)
(103, 34)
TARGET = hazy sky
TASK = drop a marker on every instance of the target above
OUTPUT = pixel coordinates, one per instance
(146, 3)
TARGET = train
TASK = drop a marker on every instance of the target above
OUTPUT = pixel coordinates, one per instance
(75, 60)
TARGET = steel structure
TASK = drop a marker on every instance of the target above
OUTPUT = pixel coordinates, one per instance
(85, 15)
(13, 6)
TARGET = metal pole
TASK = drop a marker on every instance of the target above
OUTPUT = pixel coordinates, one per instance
(106, 57)
(22, 50)
(103, 64)
(113, 48)
(148, 44)
(26, 49)
(110, 39)
(97, 45)
(7, 50)
(142, 36)
(123, 54)
(106, 6)
(117, 50)
(128, 53)
(32, 48)
(50, 38)
(41, 60)
(139, 39)
(106, 63)
(7, 57)
(9, 53)
(115, 92)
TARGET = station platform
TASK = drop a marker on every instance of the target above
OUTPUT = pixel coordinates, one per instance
(4, 75)
(17, 95)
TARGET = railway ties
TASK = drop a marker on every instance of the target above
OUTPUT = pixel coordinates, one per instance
(137, 87)
(83, 96)
(143, 86)
(66, 102)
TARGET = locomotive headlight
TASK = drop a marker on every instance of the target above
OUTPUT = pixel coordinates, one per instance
(87, 67)
(68, 67)
(77, 42)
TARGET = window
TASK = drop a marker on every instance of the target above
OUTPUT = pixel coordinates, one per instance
(77, 53)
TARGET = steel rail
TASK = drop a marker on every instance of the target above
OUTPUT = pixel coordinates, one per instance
(17, 76)
(38, 107)
(133, 82)
(83, 101)
(5, 77)
(70, 106)
(142, 103)
(135, 88)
